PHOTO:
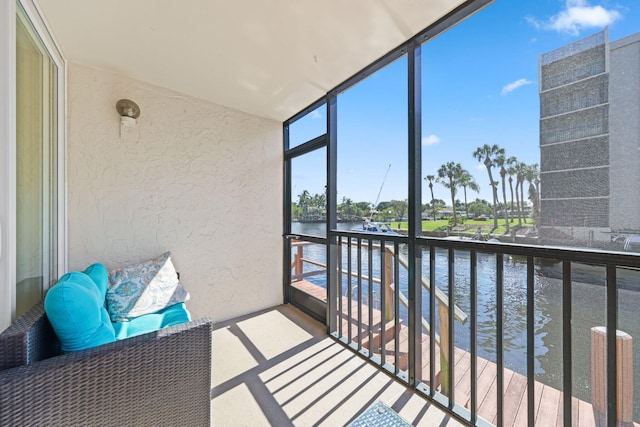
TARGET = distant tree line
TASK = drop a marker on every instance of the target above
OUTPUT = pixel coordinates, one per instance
(508, 171)
(313, 207)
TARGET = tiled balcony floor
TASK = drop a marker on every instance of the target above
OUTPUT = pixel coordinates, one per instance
(278, 368)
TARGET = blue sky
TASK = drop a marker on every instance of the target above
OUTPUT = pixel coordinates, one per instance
(480, 86)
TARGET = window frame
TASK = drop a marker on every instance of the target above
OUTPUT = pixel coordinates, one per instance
(8, 16)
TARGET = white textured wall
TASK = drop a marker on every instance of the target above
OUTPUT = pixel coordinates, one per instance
(203, 181)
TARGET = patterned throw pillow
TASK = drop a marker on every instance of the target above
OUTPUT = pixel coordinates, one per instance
(144, 288)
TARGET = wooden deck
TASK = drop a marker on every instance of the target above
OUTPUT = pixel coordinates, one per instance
(548, 400)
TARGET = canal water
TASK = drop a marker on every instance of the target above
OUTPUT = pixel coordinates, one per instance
(588, 309)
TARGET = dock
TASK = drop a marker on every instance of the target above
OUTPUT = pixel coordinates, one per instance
(548, 400)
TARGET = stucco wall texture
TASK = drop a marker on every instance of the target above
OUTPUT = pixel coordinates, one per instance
(202, 181)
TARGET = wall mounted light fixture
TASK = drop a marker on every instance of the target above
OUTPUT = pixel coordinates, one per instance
(129, 112)
(128, 108)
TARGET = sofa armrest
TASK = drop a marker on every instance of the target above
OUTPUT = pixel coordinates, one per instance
(160, 378)
(29, 339)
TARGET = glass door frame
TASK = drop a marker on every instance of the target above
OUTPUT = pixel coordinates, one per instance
(312, 306)
(8, 16)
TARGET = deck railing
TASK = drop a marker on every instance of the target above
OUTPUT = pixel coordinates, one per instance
(472, 385)
(387, 285)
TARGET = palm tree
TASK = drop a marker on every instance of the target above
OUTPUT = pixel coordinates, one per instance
(303, 201)
(347, 205)
(531, 176)
(512, 170)
(451, 171)
(520, 178)
(319, 203)
(536, 182)
(501, 162)
(486, 154)
(466, 180)
(431, 178)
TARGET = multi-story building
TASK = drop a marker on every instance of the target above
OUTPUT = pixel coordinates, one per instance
(590, 137)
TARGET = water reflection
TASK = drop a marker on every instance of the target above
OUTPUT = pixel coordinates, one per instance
(588, 309)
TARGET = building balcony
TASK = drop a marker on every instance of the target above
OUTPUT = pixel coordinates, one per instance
(441, 331)
(278, 368)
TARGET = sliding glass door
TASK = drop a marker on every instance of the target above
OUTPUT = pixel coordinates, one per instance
(36, 166)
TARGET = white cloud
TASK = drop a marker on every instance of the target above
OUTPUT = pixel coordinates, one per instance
(578, 15)
(514, 85)
(430, 140)
(315, 114)
(535, 23)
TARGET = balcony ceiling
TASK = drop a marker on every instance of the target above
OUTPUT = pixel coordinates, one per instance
(268, 58)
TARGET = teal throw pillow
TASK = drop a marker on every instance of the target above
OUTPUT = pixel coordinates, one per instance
(76, 311)
(100, 276)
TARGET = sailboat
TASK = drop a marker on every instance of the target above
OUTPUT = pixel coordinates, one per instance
(377, 227)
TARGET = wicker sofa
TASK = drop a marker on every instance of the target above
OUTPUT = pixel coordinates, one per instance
(161, 378)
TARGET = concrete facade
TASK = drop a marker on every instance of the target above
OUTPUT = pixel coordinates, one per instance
(624, 133)
(590, 137)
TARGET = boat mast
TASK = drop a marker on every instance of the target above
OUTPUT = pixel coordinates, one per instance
(379, 191)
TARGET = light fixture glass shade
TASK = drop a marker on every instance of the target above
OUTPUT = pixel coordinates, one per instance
(127, 108)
